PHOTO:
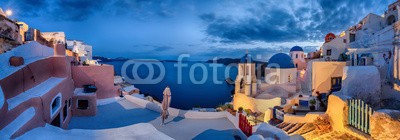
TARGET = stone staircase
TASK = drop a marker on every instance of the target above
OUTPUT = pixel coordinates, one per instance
(296, 128)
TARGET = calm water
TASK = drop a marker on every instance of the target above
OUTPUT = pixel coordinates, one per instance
(187, 94)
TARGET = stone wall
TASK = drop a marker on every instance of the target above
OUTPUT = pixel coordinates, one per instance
(100, 76)
(337, 110)
(256, 105)
(9, 34)
(385, 124)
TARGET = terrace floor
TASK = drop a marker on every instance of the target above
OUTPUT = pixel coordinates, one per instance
(124, 113)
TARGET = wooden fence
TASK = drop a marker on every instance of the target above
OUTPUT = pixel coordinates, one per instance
(359, 115)
(245, 126)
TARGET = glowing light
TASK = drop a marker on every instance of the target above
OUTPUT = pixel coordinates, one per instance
(8, 12)
(342, 34)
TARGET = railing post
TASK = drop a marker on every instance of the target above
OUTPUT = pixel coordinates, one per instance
(358, 113)
(353, 122)
(362, 116)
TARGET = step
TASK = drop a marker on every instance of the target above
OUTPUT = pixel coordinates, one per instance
(283, 125)
(37, 91)
(306, 130)
(295, 128)
(19, 122)
(289, 127)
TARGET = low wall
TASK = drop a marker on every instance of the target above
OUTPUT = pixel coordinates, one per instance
(177, 112)
(100, 76)
(385, 124)
(308, 118)
(259, 105)
(337, 111)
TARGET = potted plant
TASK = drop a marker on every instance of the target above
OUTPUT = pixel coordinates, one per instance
(240, 110)
(312, 104)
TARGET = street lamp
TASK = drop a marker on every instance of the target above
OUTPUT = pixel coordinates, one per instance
(8, 12)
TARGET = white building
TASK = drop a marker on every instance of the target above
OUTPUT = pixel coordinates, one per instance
(334, 47)
(84, 51)
(298, 57)
(56, 37)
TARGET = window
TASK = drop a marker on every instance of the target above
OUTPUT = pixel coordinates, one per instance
(65, 110)
(390, 20)
(328, 52)
(297, 56)
(336, 84)
(296, 66)
(55, 105)
(344, 40)
(352, 37)
(83, 104)
(69, 102)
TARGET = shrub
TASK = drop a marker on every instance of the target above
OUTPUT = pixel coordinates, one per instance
(313, 102)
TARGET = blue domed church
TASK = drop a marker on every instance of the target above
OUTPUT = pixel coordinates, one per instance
(258, 94)
(280, 70)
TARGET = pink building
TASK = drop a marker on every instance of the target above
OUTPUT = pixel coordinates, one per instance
(42, 89)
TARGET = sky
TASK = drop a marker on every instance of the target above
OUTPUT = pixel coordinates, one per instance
(164, 29)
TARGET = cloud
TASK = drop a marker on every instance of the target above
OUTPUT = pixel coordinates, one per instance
(77, 10)
(161, 48)
(296, 21)
(26, 8)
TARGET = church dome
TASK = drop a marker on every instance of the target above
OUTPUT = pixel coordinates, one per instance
(296, 48)
(246, 59)
(280, 60)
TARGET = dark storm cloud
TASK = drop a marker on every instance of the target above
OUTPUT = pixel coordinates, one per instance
(271, 23)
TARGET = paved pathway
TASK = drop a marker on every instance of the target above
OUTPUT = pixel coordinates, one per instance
(125, 113)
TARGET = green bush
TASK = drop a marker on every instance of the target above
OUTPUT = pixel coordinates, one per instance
(313, 102)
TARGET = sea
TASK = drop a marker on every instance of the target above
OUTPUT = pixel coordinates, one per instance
(202, 84)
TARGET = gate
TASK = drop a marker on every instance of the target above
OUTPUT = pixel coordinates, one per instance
(359, 114)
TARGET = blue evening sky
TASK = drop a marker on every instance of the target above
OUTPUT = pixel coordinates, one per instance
(163, 29)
